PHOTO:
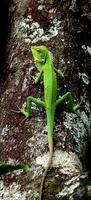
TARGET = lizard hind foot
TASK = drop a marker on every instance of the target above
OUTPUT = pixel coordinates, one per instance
(23, 112)
(17, 111)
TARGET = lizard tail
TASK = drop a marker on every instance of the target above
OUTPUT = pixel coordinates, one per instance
(46, 170)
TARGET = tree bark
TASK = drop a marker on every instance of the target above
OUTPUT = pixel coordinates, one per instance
(65, 28)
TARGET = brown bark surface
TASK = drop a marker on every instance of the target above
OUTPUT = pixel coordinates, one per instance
(65, 28)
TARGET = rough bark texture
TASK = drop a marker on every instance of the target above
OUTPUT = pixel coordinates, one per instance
(65, 28)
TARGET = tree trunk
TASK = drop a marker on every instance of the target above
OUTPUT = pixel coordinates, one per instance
(65, 28)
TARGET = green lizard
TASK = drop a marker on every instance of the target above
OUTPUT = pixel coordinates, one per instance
(44, 62)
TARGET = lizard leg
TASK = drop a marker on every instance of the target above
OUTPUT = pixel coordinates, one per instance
(59, 72)
(27, 111)
(30, 100)
(71, 105)
(38, 76)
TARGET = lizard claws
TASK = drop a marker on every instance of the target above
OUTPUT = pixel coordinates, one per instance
(21, 111)
(17, 111)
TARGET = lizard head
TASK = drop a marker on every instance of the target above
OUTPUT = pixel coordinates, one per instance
(39, 53)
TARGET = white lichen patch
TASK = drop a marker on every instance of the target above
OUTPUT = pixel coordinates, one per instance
(31, 31)
(86, 49)
(41, 1)
(89, 50)
(3, 132)
(26, 78)
(41, 7)
(24, 84)
(77, 125)
(79, 128)
(84, 78)
(11, 161)
(12, 192)
(69, 187)
(62, 159)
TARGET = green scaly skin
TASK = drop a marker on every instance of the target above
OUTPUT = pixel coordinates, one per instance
(44, 62)
(5, 168)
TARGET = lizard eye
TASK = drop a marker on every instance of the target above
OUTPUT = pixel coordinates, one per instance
(38, 50)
